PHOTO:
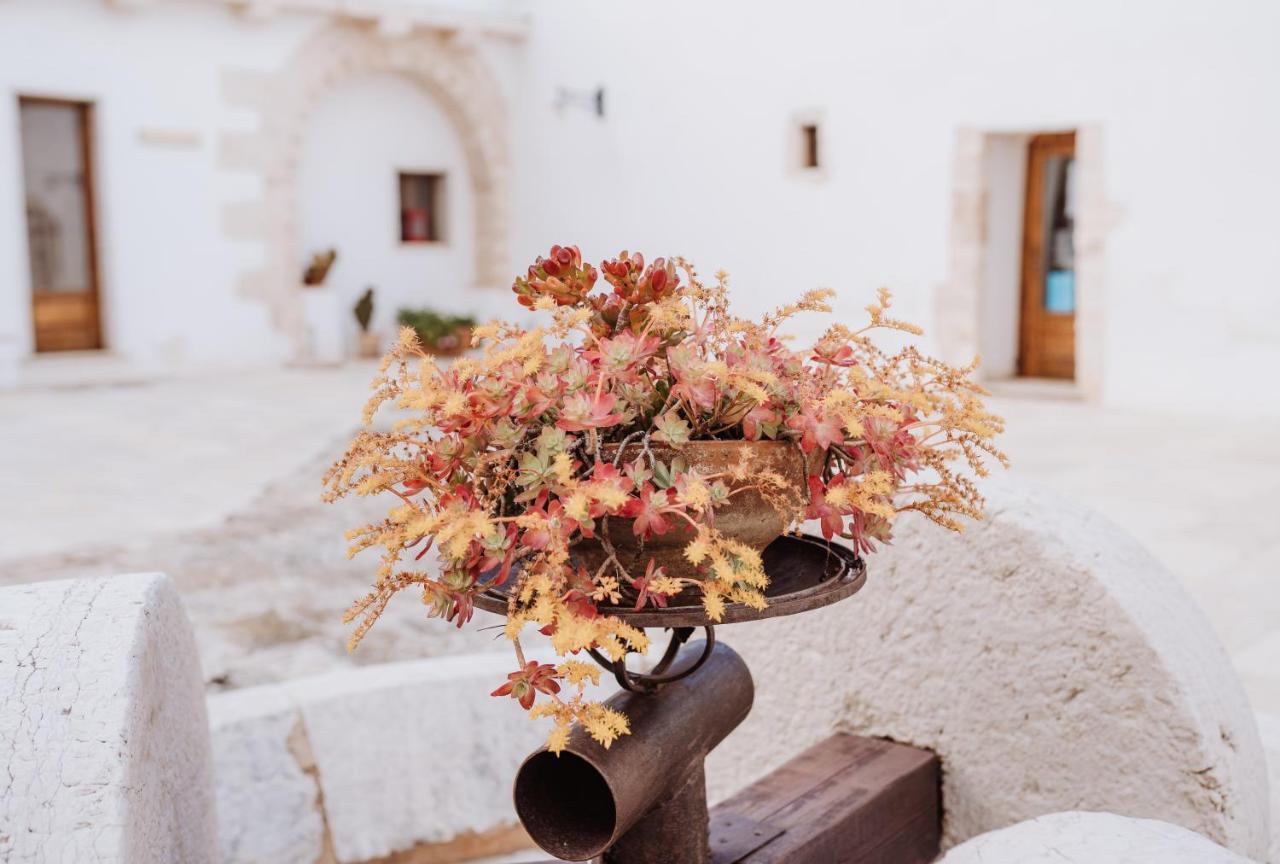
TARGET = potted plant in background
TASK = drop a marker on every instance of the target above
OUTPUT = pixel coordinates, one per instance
(363, 310)
(318, 268)
(440, 334)
(322, 312)
(640, 448)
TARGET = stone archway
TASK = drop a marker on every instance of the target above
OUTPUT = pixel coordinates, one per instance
(445, 64)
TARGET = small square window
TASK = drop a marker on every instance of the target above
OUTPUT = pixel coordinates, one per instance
(809, 152)
(421, 208)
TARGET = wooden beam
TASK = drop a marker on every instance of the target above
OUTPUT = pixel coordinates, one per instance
(847, 799)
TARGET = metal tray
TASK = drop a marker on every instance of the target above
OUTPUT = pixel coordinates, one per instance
(805, 573)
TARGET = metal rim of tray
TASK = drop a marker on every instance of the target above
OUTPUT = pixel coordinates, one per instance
(805, 573)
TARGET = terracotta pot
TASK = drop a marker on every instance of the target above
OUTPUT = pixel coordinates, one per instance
(453, 345)
(370, 345)
(747, 517)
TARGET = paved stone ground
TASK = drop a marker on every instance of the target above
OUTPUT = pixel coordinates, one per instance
(215, 481)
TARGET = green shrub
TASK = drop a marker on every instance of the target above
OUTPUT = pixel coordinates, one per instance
(431, 326)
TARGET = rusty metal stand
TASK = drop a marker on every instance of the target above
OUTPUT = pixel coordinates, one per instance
(643, 800)
(673, 832)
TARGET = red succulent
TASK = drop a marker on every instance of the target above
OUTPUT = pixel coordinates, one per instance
(525, 684)
(581, 411)
(643, 587)
(819, 431)
(646, 509)
(561, 276)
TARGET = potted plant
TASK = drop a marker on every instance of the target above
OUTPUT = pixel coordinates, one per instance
(640, 448)
(318, 268)
(363, 311)
(441, 335)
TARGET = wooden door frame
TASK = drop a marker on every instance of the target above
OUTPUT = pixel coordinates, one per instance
(87, 118)
(1040, 146)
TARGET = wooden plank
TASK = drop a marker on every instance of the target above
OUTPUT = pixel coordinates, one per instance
(847, 799)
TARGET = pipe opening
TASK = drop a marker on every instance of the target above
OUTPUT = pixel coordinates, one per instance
(565, 805)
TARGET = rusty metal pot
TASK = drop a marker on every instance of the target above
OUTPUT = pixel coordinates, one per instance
(748, 517)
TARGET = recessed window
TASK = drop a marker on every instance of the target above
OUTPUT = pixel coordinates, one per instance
(809, 150)
(421, 208)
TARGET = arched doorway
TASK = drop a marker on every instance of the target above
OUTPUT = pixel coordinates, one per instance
(382, 178)
(443, 67)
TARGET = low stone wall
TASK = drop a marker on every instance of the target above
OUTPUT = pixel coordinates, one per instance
(1092, 838)
(104, 744)
(361, 764)
(1048, 659)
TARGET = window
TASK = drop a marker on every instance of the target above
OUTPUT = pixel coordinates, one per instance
(421, 208)
(809, 145)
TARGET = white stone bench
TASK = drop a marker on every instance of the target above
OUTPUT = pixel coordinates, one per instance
(1091, 838)
(104, 743)
(1048, 659)
(365, 763)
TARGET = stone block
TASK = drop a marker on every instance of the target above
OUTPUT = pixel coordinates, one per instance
(1049, 661)
(369, 762)
(104, 742)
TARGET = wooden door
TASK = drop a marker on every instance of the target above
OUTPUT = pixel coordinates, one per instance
(1047, 335)
(62, 251)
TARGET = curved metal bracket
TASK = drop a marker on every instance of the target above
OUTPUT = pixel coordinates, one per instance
(651, 681)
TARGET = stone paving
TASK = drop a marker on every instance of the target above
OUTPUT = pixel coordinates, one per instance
(214, 480)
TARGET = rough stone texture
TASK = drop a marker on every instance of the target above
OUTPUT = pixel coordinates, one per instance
(103, 731)
(267, 802)
(1091, 838)
(361, 764)
(1269, 729)
(1044, 655)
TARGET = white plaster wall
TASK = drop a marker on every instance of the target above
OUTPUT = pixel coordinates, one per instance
(361, 135)
(155, 76)
(1006, 175)
(692, 156)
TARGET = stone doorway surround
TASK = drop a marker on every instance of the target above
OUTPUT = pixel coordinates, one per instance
(441, 57)
(961, 302)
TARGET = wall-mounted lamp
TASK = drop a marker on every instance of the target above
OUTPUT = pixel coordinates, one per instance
(590, 100)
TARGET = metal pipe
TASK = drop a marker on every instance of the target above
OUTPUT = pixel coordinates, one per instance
(643, 800)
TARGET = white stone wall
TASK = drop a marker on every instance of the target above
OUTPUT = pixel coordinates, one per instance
(104, 738)
(361, 134)
(695, 147)
(695, 157)
(1091, 838)
(368, 762)
(200, 115)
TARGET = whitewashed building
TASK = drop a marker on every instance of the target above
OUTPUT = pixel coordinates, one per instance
(1082, 190)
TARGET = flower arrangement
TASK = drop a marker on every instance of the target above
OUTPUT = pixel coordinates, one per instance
(557, 459)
